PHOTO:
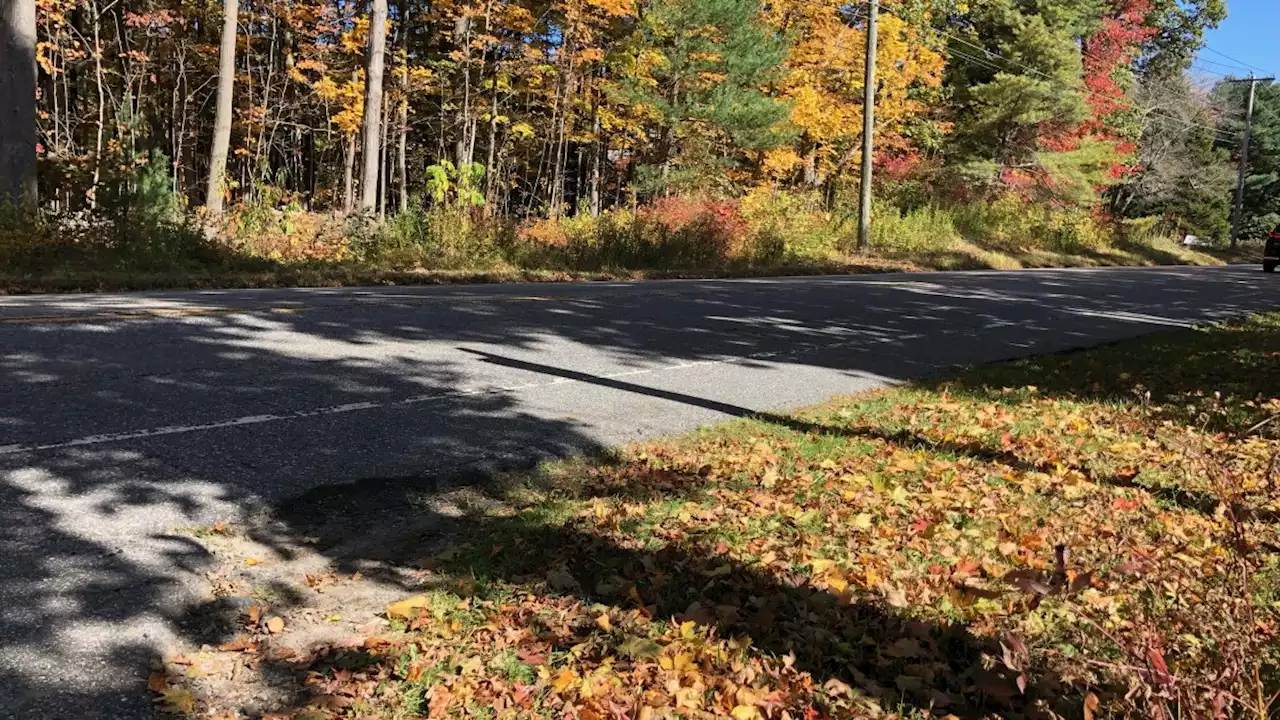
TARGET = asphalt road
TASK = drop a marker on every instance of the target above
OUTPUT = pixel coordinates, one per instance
(125, 416)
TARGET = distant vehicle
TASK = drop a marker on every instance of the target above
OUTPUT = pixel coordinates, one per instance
(1193, 241)
(1271, 254)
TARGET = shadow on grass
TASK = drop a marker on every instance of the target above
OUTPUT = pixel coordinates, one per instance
(1217, 376)
(856, 639)
(379, 526)
(1253, 342)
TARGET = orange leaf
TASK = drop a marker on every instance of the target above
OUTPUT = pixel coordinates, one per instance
(240, 644)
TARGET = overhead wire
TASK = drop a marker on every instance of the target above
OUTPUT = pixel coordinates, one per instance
(1246, 71)
(1221, 54)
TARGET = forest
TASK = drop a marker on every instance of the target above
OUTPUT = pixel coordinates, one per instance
(624, 134)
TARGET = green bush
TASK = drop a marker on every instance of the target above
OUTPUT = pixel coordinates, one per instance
(792, 228)
(442, 237)
(1012, 224)
(925, 229)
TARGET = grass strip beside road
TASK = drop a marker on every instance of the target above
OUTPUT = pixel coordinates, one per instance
(1090, 534)
(259, 273)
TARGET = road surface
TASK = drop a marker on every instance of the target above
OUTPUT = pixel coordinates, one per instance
(126, 416)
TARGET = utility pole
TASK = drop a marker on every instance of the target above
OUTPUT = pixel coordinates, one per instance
(868, 127)
(1237, 212)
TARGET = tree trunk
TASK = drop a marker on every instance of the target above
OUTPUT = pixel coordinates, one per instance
(349, 176)
(402, 156)
(102, 105)
(18, 103)
(597, 149)
(373, 104)
(222, 123)
(493, 145)
(462, 40)
(384, 173)
(402, 119)
(561, 144)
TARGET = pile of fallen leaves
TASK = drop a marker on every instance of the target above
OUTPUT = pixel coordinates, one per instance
(1103, 542)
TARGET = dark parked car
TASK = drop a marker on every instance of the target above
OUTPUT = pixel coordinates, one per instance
(1271, 255)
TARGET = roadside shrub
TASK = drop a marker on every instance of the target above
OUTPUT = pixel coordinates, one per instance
(286, 234)
(1002, 223)
(1074, 230)
(790, 227)
(443, 236)
(1010, 223)
(674, 232)
(925, 229)
(694, 231)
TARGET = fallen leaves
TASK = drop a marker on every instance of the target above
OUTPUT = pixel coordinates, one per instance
(239, 644)
(914, 549)
(407, 609)
(178, 700)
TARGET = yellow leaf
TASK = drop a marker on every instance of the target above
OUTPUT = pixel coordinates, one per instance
(821, 566)
(745, 712)
(603, 622)
(252, 561)
(564, 680)
(407, 608)
(178, 700)
(837, 583)
(872, 578)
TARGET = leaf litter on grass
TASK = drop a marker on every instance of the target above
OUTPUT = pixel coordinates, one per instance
(1080, 535)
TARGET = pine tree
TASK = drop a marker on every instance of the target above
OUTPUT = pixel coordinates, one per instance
(702, 66)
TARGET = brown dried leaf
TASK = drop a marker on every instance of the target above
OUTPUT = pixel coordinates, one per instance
(1090, 706)
(240, 644)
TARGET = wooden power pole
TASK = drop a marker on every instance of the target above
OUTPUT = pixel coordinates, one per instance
(868, 127)
(1237, 211)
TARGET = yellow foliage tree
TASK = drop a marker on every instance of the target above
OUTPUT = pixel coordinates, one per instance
(824, 80)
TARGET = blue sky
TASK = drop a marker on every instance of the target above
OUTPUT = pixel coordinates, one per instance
(1250, 34)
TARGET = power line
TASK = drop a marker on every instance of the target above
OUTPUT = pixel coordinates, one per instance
(1222, 137)
(1219, 73)
(1241, 69)
(1219, 53)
